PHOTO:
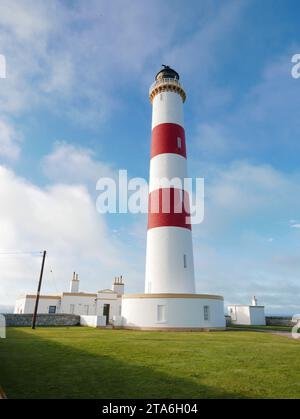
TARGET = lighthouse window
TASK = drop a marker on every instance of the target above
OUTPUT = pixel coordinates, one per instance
(179, 142)
(206, 313)
(161, 313)
(184, 261)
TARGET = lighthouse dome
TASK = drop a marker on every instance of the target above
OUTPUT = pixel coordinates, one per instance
(167, 73)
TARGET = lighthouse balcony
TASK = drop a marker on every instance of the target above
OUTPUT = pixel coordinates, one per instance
(166, 84)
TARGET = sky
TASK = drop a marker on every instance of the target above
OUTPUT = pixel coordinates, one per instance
(74, 107)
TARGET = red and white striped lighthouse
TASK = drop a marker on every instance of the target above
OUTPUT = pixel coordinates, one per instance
(169, 260)
(169, 301)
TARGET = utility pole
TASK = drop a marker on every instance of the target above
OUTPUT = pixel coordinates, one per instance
(38, 291)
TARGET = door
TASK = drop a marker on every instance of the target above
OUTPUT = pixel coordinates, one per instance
(106, 308)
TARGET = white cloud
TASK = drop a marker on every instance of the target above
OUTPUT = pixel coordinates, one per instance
(244, 203)
(70, 164)
(9, 141)
(74, 59)
(61, 219)
(77, 60)
(295, 225)
(213, 141)
(26, 20)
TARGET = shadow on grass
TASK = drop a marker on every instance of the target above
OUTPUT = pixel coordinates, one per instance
(32, 366)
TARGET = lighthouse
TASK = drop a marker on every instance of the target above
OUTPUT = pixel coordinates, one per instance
(169, 260)
(170, 301)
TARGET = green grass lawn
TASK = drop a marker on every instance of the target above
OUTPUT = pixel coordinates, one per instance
(91, 363)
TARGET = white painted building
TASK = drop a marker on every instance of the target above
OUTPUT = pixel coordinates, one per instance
(252, 315)
(106, 302)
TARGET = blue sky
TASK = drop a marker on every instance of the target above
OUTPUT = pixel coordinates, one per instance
(74, 107)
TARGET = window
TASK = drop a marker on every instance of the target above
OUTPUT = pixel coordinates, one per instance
(72, 308)
(184, 261)
(161, 313)
(206, 313)
(179, 143)
(52, 309)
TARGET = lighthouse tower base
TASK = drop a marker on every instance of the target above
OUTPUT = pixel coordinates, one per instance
(178, 312)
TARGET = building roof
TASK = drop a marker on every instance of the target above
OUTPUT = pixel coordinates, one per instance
(42, 297)
(107, 291)
(78, 294)
(244, 305)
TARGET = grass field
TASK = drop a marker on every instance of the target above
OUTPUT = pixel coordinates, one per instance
(91, 363)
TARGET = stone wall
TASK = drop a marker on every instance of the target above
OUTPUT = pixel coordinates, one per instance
(279, 321)
(15, 320)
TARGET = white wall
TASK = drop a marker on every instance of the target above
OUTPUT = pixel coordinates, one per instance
(167, 108)
(257, 315)
(165, 271)
(180, 312)
(93, 321)
(167, 166)
(27, 305)
(83, 305)
(242, 314)
(248, 315)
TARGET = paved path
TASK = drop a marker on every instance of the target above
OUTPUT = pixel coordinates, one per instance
(284, 334)
(272, 332)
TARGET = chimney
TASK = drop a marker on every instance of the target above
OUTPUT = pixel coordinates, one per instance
(74, 285)
(118, 285)
(254, 301)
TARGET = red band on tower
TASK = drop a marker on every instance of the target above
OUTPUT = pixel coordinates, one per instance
(168, 207)
(168, 138)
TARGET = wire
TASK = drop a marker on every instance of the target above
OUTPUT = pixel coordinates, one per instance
(20, 253)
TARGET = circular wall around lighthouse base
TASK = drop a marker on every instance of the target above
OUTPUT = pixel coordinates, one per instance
(173, 312)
